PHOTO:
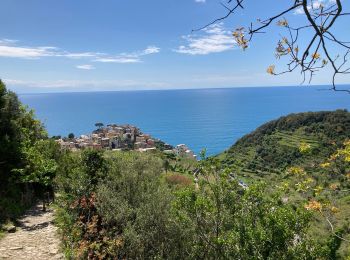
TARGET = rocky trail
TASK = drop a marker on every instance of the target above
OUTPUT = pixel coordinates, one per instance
(35, 237)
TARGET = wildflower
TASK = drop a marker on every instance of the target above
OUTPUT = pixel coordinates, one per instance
(313, 205)
(318, 189)
(333, 186)
(304, 147)
(296, 171)
(325, 165)
(334, 209)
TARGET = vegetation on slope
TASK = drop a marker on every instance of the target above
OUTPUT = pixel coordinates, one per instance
(275, 146)
(127, 207)
(132, 205)
(305, 154)
(27, 157)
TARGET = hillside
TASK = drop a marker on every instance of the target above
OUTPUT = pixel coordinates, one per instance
(270, 152)
(274, 146)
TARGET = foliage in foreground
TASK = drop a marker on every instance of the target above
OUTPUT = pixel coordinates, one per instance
(126, 209)
(27, 157)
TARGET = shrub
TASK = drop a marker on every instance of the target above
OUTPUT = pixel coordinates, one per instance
(178, 180)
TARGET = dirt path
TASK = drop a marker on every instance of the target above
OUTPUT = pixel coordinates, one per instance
(35, 238)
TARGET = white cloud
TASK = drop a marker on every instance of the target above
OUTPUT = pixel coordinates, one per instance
(316, 4)
(213, 39)
(200, 1)
(150, 50)
(80, 55)
(85, 67)
(118, 60)
(10, 49)
(25, 52)
(133, 57)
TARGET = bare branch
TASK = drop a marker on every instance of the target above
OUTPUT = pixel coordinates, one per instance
(316, 54)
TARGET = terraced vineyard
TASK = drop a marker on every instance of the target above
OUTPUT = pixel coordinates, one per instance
(267, 153)
(272, 148)
(246, 162)
(295, 139)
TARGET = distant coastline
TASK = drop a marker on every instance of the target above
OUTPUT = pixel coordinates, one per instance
(210, 118)
(58, 90)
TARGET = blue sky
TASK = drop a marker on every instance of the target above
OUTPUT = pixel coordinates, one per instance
(88, 45)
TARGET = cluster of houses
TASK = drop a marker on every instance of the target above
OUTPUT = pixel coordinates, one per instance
(121, 137)
(182, 150)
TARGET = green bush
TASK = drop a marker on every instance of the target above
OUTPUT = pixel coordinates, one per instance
(133, 213)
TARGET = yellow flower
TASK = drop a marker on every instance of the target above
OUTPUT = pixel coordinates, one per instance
(325, 165)
(309, 180)
(334, 210)
(318, 190)
(304, 147)
(313, 205)
(296, 171)
(333, 186)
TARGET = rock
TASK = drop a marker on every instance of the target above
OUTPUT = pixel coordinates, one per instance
(16, 248)
(53, 252)
(11, 229)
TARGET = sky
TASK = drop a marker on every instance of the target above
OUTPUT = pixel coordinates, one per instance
(90, 45)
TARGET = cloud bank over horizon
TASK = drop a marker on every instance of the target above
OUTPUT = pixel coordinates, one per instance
(11, 49)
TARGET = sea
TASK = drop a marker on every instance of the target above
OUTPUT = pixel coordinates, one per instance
(211, 119)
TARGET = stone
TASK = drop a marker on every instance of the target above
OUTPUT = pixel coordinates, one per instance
(53, 252)
(11, 229)
(16, 248)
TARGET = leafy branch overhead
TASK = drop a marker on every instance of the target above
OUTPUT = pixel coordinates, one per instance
(308, 56)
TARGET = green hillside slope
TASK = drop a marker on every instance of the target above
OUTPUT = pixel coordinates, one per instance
(274, 146)
(303, 142)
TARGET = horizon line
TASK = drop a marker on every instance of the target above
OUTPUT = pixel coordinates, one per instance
(327, 88)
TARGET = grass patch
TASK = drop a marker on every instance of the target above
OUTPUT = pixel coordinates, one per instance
(178, 180)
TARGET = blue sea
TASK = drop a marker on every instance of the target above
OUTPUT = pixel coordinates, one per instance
(205, 118)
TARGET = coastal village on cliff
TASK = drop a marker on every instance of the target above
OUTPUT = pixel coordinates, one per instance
(122, 137)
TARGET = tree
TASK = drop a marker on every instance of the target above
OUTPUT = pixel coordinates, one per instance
(222, 220)
(310, 56)
(20, 133)
(99, 125)
(94, 165)
(40, 168)
(71, 136)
